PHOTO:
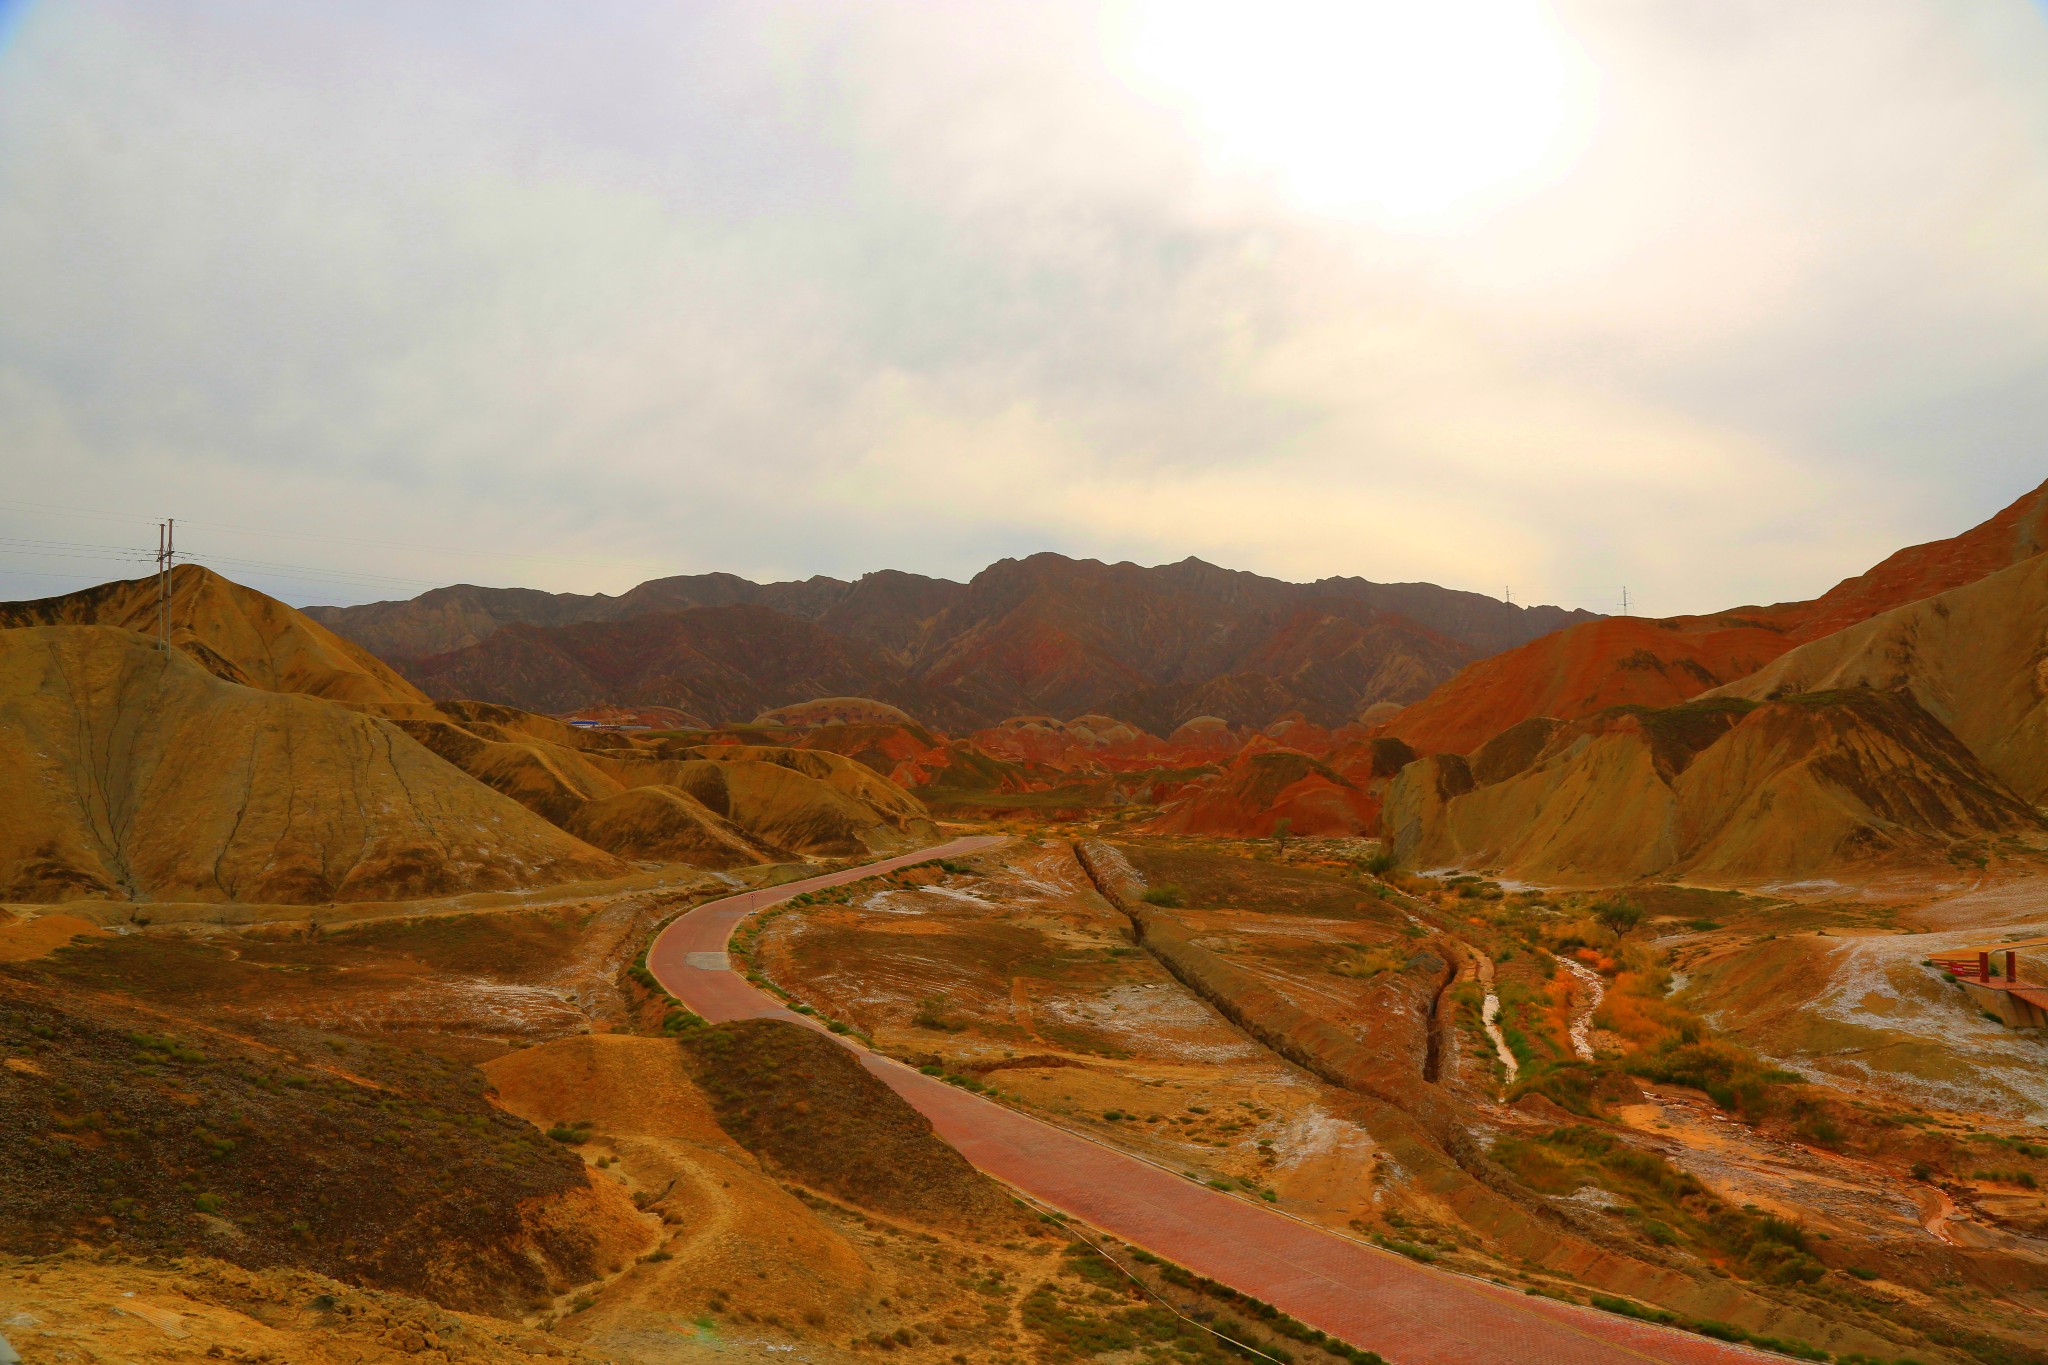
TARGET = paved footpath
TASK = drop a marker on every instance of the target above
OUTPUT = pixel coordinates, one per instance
(1409, 1313)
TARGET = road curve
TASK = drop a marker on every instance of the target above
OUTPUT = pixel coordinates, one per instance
(1409, 1313)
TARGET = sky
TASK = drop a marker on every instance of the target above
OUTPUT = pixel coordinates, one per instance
(1721, 301)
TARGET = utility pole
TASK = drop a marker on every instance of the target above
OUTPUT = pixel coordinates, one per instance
(1510, 592)
(165, 533)
(1624, 599)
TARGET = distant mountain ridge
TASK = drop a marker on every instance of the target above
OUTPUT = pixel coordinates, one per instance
(1044, 634)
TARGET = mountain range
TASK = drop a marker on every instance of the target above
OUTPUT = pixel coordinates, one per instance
(1045, 634)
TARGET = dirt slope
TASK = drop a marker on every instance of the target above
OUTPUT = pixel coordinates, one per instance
(1972, 658)
(1729, 791)
(235, 632)
(136, 774)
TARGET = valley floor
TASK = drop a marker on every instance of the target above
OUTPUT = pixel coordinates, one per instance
(1269, 1065)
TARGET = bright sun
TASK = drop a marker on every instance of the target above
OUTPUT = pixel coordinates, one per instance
(1399, 111)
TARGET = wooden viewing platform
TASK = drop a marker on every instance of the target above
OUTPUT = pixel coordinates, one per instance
(1992, 977)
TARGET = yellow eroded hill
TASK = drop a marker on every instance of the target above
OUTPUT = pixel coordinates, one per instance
(801, 800)
(716, 806)
(129, 773)
(1971, 657)
(235, 632)
(1724, 791)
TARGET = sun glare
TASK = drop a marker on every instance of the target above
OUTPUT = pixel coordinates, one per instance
(1397, 111)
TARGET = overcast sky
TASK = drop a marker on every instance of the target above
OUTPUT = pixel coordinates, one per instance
(1722, 301)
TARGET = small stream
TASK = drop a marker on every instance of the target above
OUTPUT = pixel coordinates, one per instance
(1582, 1021)
(1490, 1017)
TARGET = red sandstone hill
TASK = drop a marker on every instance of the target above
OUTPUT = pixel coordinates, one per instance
(1266, 790)
(1047, 634)
(1639, 662)
(1620, 661)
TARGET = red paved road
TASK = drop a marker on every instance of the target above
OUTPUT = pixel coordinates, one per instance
(1409, 1313)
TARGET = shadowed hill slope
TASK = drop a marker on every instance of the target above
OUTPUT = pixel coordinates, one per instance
(135, 774)
(1972, 658)
(234, 632)
(1726, 791)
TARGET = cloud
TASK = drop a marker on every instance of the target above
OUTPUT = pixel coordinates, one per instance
(801, 287)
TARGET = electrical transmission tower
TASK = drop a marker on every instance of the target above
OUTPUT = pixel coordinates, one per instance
(1624, 599)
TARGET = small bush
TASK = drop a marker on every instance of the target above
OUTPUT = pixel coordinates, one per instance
(1169, 896)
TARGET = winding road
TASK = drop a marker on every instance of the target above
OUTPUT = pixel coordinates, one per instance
(1411, 1314)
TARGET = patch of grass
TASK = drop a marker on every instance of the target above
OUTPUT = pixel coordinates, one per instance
(931, 1013)
(1756, 1246)
(805, 1105)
